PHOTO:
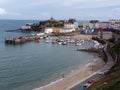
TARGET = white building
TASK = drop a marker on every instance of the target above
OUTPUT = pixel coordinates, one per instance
(48, 30)
(114, 21)
(67, 30)
(115, 26)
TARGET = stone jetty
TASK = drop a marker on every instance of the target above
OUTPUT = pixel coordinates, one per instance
(21, 39)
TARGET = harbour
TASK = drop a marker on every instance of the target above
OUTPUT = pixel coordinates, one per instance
(30, 65)
(59, 45)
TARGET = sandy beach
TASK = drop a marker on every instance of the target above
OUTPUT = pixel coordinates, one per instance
(80, 36)
(75, 77)
(84, 36)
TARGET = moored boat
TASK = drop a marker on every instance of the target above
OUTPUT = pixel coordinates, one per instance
(64, 43)
(77, 43)
(60, 43)
(48, 41)
(54, 42)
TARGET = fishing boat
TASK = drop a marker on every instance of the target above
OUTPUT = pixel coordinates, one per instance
(60, 43)
(64, 43)
(77, 43)
(48, 41)
(54, 42)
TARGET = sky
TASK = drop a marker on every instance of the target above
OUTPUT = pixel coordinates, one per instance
(60, 9)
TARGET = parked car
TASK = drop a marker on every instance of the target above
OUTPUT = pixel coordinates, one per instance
(88, 83)
(91, 81)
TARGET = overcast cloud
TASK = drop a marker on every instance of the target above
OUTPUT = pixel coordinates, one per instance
(60, 9)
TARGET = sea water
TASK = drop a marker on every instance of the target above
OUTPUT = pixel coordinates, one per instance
(30, 65)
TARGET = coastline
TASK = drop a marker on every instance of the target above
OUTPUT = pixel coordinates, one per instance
(75, 77)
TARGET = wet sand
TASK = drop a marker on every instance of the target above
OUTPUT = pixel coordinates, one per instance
(75, 77)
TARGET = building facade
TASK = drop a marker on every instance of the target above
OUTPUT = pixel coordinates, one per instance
(106, 35)
(75, 25)
(114, 24)
(48, 30)
(56, 30)
(68, 25)
(84, 25)
(71, 23)
(67, 30)
(92, 24)
(114, 21)
(102, 25)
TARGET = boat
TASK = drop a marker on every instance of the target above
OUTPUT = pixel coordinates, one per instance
(64, 43)
(60, 43)
(41, 37)
(77, 43)
(54, 42)
(48, 41)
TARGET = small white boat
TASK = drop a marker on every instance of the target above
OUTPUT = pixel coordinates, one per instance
(64, 43)
(77, 43)
(60, 43)
(41, 37)
(48, 41)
